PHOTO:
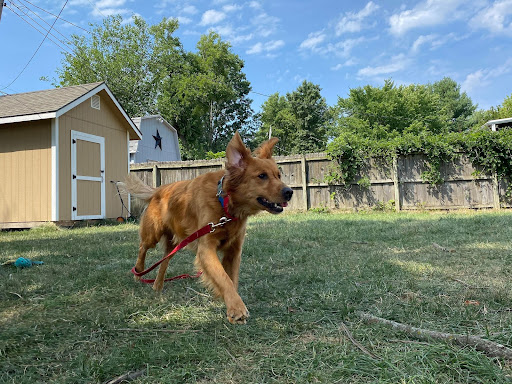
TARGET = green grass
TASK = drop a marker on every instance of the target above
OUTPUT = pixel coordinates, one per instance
(80, 318)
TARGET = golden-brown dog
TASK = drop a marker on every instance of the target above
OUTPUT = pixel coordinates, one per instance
(177, 210)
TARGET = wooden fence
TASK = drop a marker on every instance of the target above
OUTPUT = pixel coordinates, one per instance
(399, 185)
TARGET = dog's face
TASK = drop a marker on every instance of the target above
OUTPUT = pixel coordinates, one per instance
(255, 182)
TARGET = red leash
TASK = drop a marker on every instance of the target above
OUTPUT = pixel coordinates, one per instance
(209, 228)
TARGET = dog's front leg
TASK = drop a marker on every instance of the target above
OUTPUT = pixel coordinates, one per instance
(217, 277)
(231, 261)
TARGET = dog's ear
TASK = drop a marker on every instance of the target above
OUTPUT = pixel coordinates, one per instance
(237, 154)
(264, 151)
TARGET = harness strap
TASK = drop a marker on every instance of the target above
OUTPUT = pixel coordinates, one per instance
(224, 200)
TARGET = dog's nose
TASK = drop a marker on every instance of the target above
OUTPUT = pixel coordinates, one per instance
(287, 193)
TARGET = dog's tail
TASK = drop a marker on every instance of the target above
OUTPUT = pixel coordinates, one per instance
(134, 186)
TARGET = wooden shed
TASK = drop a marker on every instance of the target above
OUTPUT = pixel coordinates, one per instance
(59, 151)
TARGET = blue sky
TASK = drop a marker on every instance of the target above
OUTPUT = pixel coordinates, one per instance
(336, 44)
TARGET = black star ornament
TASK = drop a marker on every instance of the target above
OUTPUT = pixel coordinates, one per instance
(158, 140)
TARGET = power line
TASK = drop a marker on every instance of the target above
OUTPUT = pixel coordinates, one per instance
(40, 18)
(258, 93)
(37, 50)
(42, 33)
(40, 26)
(69, 22)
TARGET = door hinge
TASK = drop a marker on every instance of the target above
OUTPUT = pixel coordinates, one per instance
(74, 141)
(74, 209)
(74, 176)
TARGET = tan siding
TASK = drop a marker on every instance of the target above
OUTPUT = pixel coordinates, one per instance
(25, 172)
(108, 123)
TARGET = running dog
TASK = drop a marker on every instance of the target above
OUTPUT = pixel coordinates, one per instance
(249, 184)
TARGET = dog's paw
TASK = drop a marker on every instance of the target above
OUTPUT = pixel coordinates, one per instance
(136, 278)
(158, 286)
(238, 314)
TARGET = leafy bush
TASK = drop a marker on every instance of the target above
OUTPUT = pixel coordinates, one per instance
(492, 151)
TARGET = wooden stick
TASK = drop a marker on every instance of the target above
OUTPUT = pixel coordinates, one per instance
(466, 284)
(357, 344)
(442, 248)
(489, 347)
(154, 330)
(126, 377)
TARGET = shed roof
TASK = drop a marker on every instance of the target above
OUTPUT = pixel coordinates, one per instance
(53, 103)
(499, 121)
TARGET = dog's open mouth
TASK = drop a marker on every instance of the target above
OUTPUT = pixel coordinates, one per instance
(272, 207)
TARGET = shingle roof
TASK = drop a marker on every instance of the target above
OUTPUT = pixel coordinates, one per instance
(37, 102)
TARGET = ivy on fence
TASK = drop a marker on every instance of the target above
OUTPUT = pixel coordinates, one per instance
(488, 150)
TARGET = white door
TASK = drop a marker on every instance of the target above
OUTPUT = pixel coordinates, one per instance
(87, 176)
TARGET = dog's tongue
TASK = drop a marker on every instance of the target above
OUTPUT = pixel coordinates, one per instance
(284, 204)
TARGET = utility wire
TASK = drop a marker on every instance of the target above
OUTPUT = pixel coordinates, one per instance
(66, 21)
(42, 33)
(40, 26)
(37, 50)
(23, 7)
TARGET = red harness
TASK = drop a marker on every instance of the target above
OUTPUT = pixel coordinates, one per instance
(208, 228)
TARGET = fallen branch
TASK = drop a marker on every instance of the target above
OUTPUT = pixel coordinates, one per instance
(17, 294)
(466, 284)
(442, 248)
(154, 330)
(356, 343)
(126, 377)
(489, 347)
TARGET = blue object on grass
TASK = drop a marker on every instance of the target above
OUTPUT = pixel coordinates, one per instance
(22, 262)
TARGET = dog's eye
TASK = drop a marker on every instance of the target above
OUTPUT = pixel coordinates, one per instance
(263, 176)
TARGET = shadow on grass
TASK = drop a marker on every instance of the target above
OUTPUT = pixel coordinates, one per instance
(82, 318)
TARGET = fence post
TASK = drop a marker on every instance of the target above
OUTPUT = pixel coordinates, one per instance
(304, 183)
(396, 184)
(496, 191)
(156, 176)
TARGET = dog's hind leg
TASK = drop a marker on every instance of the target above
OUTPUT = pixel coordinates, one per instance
(158, 285)
(148, 239)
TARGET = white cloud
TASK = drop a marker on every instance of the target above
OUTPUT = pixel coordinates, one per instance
(268, 47)
(231, 8)
(423, 39)
(355, 22)
(426, 14)
(483, 77)
(255, 49)
(255, 5)
(435, 41)
(264, 24)
(397, 63)
(183, 20)
(313, 40)
(212, 17)
(190, 10)
(348, 63)
(495, 18)
(344, 47)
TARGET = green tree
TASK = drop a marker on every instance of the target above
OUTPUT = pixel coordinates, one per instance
(299, 120)
(391, 111)
(456, 106)
(125, 56)
(203, 93)
(506, 108)
(277, 117)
